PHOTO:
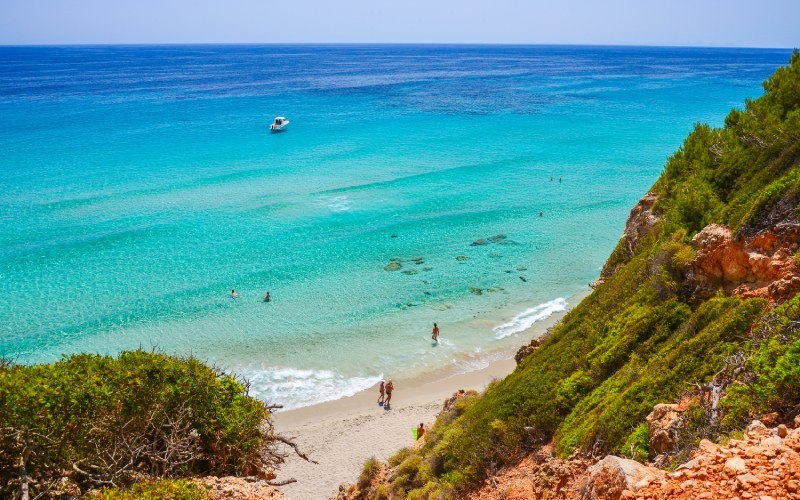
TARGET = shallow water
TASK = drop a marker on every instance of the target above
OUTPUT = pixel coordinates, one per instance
(140, 185)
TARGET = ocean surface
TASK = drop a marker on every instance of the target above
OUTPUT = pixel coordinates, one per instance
(139, 185)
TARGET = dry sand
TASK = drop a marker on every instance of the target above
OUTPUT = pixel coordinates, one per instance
(341, 435)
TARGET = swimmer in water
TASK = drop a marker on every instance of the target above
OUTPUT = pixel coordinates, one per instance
(541, 214)
(267, 297)
(234, 294)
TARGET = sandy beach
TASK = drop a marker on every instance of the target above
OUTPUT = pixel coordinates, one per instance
(341, 435)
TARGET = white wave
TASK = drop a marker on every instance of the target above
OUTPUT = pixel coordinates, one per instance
(337, 203)
(295, 388)
(528, 317)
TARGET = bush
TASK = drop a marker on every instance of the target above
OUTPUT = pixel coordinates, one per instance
(178, 489)
(107, 421)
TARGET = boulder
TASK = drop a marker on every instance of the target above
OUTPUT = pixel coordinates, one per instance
(392, 266)
(735, 465)
(666, 422)
(609, 477)
(792, 440)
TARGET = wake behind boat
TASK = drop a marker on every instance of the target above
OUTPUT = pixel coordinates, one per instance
(279, 125)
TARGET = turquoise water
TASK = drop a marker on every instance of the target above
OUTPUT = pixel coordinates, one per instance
(140, 185)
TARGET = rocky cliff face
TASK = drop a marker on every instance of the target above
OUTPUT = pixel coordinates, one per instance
(642, 222)
(763, 265)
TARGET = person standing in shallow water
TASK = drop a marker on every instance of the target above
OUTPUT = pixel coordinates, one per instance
(435, 333)
(382, 391)
(389, 390)
(267, 297)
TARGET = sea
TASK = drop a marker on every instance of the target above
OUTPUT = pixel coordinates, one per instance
(139, 185)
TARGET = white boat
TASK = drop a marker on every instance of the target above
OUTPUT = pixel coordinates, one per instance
(279, 124)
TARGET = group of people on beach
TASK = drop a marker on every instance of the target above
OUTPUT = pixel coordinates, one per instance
(385, 390)
(266, 298)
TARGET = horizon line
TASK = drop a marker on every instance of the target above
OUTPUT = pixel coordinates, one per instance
(410, 44)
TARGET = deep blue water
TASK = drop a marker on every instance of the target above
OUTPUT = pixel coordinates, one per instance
(139, 185)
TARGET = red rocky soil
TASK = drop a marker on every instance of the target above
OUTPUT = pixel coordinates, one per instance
(236, 488)
(764, 465)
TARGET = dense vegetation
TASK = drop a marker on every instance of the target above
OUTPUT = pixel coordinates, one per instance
(643, 337)
(89, 421)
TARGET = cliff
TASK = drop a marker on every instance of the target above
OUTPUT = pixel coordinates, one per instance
(692, 331)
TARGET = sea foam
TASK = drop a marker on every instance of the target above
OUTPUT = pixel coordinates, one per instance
(528, 317)
(295, 388)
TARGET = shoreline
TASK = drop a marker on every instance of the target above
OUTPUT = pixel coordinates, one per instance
(344, 433)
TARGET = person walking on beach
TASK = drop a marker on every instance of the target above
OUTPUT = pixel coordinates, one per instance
(267, 297)
(389, 389)
(234, 294)
(435, 334)
(382, 391)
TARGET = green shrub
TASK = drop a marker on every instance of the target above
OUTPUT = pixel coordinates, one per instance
(177, 489)
(100, 419)
(773, 370)
(368, 473)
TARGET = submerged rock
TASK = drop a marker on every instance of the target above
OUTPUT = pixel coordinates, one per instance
(410, 271)
(478, 243)
(497, 238)
(462, 258)
(427, 268)
(522, 268)
(392, 266)
(475, 290)
(495, 255)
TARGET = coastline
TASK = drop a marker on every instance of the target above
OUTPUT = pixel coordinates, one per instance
(344, 433)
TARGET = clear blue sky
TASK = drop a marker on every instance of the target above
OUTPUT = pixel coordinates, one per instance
(741, 23)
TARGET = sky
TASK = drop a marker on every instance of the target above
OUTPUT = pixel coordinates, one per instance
(733, 23)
